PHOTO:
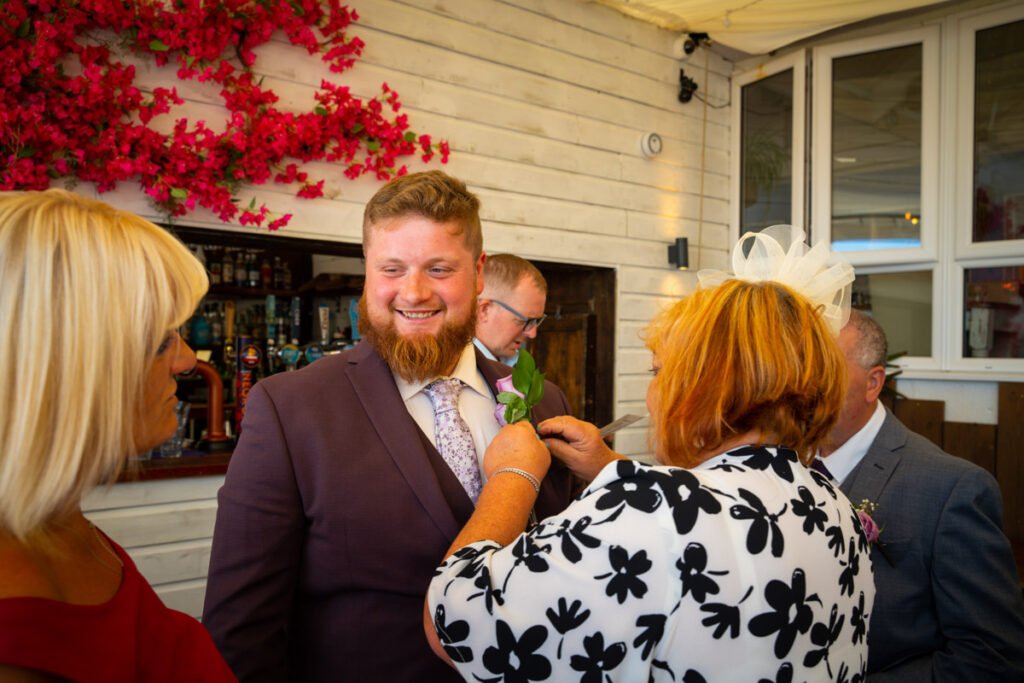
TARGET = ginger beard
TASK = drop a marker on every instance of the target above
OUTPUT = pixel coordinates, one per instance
(420, 357)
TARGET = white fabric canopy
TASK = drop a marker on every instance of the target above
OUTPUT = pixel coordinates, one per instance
(759, 26)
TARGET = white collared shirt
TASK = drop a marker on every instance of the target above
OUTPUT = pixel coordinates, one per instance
(844, 459)
(476, 403)
(487, 354)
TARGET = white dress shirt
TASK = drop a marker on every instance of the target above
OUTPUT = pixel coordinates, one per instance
(843, 459)
(487, 354)
(476, 404)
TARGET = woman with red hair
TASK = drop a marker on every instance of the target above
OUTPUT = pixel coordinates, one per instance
(730, 559)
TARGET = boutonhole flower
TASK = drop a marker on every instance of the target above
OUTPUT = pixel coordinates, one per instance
(520, 391)
(872, 532)
(867, 522)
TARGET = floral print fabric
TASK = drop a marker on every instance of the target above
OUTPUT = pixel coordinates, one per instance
(747, 568)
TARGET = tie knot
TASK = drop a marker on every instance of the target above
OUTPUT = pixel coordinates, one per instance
(818, 465)
(444, 393)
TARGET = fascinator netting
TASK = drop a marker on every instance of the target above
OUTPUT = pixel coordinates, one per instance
(780, 254)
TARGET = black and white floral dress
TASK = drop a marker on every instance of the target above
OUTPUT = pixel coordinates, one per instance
(749, 567)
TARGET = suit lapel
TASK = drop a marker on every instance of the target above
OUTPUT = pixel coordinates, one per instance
(491, 370)
(375, 387)
(869, 478)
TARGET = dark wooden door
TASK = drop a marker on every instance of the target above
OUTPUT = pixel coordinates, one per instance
(575, 347)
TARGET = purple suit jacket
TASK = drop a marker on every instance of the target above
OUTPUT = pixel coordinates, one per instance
(335, 511)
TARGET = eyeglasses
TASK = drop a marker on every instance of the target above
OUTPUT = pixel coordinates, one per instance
(528, 323)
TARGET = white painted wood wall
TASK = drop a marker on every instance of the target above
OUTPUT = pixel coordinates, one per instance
(544, 103)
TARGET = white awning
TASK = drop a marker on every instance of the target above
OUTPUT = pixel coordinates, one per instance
(759, 26)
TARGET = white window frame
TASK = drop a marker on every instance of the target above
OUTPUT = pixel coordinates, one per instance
(939, 337)
(797, 62)
(955, 294)
(821, 179)
(966, 29)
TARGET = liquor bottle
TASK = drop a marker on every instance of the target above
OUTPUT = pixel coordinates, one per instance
(296, 323)
(266, 274)
(270, 320)
(286, 276)
(241, 271)
(228, 358)
(254, 271)
(215, 271)
(217, 325)
(282, 331)
(200, 337)
(278, 273)
(227, 269)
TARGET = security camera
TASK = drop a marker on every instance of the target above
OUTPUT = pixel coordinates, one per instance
(687, 86)
(689, 45)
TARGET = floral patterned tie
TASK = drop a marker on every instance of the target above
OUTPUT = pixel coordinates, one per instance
(454, 441)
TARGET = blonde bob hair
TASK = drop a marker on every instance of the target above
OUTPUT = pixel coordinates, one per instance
(743, 356)
(87, 295)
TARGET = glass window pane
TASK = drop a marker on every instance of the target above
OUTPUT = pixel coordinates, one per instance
(766, 131)
(999, 133)
(902, 305)
(876, 150)
(993, 315)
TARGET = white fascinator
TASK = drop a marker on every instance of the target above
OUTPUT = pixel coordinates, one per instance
(779, 254)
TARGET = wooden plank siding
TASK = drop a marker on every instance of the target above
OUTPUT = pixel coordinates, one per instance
(974, 442)
(167, 528)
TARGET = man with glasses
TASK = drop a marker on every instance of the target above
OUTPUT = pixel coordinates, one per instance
(510, 308)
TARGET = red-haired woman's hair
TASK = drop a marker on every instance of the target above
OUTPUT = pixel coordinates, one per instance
(743, 356)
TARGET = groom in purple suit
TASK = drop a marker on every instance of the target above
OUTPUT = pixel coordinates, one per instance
(337, 505)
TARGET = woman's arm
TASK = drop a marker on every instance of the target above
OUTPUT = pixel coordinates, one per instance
(503, 508)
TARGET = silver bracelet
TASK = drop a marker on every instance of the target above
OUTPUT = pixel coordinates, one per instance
(534, 482)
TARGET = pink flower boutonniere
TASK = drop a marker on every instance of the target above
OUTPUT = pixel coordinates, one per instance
(867, 522)
(520, 391)
(872, 532)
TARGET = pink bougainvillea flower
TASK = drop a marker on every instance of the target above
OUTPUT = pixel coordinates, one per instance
(95, 126)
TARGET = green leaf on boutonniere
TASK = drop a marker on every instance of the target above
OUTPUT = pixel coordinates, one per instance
(527, 389)
(522, 373)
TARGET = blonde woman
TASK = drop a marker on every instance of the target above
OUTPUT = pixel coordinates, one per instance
(90, 301)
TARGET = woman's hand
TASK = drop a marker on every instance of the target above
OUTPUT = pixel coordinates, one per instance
(517, 445)
(579, 445)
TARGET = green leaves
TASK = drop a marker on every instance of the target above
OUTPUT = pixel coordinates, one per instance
(527, 389)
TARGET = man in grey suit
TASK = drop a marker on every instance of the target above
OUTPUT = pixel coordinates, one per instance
(339, 501)
(948, 603)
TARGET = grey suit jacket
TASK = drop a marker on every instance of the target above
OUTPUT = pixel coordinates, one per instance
(335, 511)
(948, 607)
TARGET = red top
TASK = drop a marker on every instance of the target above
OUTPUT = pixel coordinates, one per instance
(132, 637)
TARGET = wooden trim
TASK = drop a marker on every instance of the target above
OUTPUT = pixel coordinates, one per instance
(191, 464)
(1009, 463)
